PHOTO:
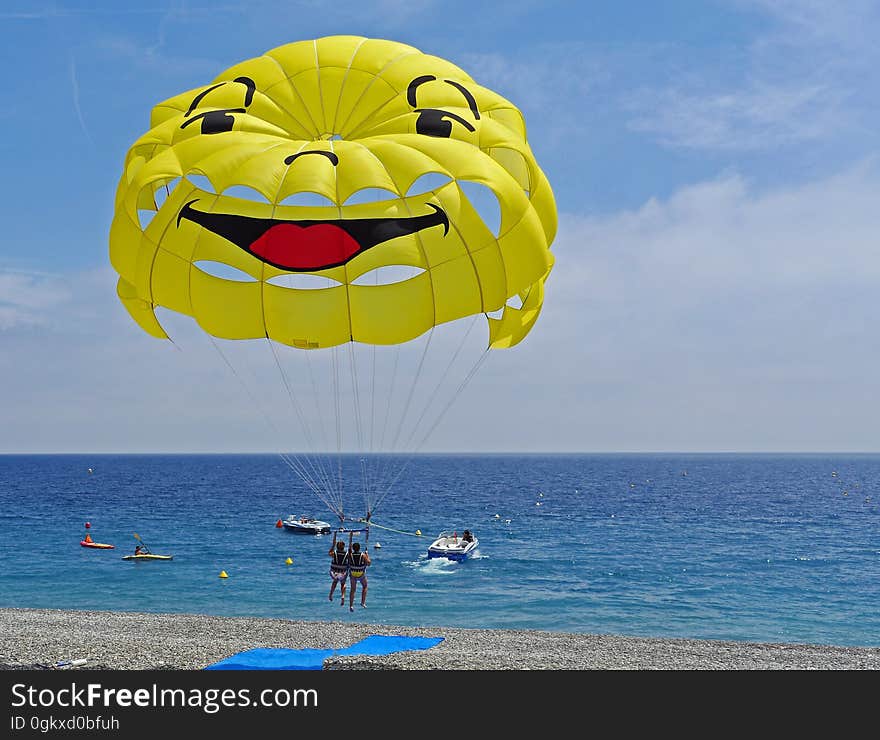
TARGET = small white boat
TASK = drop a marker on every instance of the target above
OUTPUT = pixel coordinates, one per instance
(453, 546)
(306, 525)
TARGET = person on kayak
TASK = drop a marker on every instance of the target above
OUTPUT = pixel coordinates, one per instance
(338, 569)
(357, 570)
(138, 550)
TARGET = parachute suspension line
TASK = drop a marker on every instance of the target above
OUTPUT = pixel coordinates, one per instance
(412, 389)
(372, 421)
(373, 401)
(464, 383)
(317, 394)
(467, 379)
(405, 412)
(446, 373)
(427, 406)
(358, 421)
(388, 405)
(336, 403)
(368, 483)
(292, 464)
(374, 464)
(317, 468)
(380, 466)
(352, 365)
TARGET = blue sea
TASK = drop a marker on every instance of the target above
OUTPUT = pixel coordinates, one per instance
(770, 548)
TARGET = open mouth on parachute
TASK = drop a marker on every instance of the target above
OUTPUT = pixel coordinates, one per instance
(306, 245)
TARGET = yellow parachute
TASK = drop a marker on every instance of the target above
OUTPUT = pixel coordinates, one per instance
(211, 223)
(334, 116)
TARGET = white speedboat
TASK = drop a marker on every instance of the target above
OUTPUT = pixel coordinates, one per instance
(453, 546)
(305, 525)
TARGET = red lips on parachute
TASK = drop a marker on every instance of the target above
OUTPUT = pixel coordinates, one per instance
(307, 245)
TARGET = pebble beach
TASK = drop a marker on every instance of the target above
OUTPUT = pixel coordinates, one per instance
(44, 639)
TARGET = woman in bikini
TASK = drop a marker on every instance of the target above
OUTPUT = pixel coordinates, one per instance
(338, 569)
(357, 570)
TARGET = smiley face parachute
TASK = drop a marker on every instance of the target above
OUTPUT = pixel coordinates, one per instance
(334, 194)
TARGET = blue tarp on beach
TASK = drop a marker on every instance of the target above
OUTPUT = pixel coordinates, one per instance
(312, 659)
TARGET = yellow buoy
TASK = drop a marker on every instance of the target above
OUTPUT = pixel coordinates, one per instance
(224, 574)
(289, 561)
(419, 532)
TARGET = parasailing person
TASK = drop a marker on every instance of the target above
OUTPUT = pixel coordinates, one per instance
(338, 568)
(357, 570)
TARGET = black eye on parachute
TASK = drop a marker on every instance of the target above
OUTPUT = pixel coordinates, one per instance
(219, 121)
(431, 122)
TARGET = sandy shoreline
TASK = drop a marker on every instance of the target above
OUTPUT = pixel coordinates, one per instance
(40, 638)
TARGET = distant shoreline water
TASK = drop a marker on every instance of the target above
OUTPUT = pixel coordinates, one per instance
(460, 453)
(756, 547)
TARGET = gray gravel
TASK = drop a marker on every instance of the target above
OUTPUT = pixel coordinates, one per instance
(41, 638)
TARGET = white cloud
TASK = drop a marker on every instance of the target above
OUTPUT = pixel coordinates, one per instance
(758, 117)
(721, 235)
(551, 79)
(816, 23)
(548, 75)
(721, 318)
(27, 298)
(805, 78)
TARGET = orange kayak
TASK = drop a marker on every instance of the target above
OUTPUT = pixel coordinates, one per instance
(97, 545)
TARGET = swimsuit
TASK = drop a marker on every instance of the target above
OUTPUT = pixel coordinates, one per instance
(358, 571)
(339, 567)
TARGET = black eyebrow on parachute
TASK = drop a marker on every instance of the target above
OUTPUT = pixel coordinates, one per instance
(248, 97)
(411, 92)
(472, 104)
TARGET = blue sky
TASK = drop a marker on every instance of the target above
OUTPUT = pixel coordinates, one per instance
(715, 166)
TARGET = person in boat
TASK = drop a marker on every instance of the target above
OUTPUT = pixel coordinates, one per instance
(467, 536)
(138, 550)
(338, 570)
(357, 570)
